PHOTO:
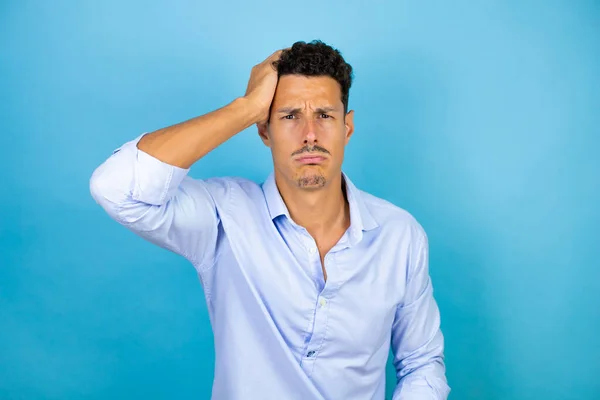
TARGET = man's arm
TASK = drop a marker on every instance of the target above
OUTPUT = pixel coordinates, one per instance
(144, 185)
(417, 341)
(183, 144)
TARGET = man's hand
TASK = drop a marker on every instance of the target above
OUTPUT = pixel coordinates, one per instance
(262, 85)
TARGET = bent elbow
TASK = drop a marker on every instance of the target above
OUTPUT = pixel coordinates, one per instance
(110, 188)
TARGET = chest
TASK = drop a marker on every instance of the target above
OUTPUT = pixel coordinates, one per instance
(279, 273)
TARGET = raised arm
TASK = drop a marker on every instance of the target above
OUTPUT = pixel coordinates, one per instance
(144, 185)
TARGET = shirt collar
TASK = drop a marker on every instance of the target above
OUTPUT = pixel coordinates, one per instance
(274, 200)
(361, 219)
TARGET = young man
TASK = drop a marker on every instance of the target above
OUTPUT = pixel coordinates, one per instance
(308, 280)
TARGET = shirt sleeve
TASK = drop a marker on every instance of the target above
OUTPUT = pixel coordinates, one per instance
(417, 341)
(159, 202)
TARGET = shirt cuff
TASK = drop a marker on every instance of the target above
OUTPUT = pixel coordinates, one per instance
(154, 182)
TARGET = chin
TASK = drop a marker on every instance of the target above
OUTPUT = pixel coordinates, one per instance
(312, 182)
(311, 177)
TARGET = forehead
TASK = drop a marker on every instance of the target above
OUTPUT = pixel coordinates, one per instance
(300, 89)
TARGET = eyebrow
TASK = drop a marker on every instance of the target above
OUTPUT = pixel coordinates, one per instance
(292, 110)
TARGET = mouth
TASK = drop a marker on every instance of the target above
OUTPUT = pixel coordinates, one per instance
(310, 159)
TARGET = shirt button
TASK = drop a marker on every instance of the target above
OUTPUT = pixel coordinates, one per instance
(322, 301)
(312, 250)
(310, 353)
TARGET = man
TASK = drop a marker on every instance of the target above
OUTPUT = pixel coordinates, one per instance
(308, 280)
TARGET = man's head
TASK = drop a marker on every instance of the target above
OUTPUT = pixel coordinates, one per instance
(309, 123)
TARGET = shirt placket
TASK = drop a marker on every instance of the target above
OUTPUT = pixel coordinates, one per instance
(318, 325)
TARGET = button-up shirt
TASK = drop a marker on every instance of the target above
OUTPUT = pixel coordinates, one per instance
(280, 330)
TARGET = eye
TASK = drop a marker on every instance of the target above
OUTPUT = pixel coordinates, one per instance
(325, 116)
(290, 116)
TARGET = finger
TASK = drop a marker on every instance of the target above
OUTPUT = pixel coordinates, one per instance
(275, 56)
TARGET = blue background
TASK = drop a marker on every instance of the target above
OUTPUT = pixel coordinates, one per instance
(480, 118)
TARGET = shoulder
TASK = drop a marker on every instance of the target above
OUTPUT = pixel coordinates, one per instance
(226, 192)
(226, 185)
(392, 219)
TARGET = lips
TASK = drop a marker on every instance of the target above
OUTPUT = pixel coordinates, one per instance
(310, 159)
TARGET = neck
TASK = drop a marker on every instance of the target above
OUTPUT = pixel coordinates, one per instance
(319, 211)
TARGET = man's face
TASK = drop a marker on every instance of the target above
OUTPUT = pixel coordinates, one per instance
(307, 131)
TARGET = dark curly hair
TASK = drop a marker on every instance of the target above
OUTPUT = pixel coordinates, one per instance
(316, 59)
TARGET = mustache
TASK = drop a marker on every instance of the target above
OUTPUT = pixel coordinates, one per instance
(311, 149)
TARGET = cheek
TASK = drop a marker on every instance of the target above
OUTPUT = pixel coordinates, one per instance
(336, 135)
(284, 132)
(283, 145)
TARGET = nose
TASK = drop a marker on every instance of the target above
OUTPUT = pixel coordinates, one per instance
(310, 133)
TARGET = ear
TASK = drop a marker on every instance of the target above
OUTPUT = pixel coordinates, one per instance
(263, 132)
(349, 122)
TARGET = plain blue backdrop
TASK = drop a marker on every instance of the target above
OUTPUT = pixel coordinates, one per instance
(480, 118)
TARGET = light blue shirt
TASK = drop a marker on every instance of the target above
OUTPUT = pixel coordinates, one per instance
(281, 332)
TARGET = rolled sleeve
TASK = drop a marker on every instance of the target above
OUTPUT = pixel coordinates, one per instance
(159, 202)
(155, 182)
(417, 340)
